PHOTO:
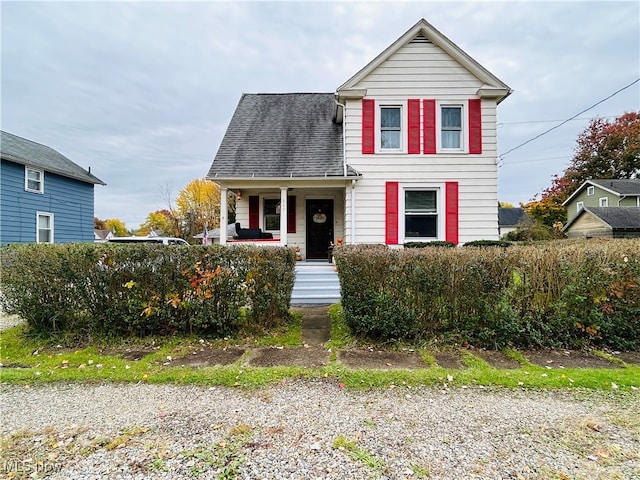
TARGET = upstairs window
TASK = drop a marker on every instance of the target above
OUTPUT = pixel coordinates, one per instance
(390, 128)
(579, 206)
(591, 191)
(451, 127)
(604, 202)
(33, 180)
(422, 126)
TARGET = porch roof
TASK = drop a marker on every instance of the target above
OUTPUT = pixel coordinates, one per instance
(291, 135)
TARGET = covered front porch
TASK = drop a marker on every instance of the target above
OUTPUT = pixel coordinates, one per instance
(307, 215)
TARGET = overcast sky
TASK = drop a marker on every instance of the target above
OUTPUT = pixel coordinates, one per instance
(142, 92)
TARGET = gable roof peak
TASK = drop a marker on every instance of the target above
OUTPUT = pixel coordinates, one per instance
(424, 32)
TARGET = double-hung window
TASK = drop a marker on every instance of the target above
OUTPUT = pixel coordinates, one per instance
(271, 212)
(591, 190)
(451, 127)
(603, 201)
(44, 227)
(421, 213)
(33, 180)
(390, 127)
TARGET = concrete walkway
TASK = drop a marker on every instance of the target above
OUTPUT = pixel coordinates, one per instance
(316, 324)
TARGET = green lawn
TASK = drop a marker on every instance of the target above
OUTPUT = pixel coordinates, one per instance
(27, 359)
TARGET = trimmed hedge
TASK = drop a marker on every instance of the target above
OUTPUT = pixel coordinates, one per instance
(561, 294)
(435, 243)
(143, 289)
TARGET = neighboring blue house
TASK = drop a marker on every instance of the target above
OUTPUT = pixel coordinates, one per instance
(44, 196)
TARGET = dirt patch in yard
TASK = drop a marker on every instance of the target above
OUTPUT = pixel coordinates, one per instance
(497, 359)
(567, 359)
(449, 360)
(628, 357)
(209, 357)
(380, 359)
(308, 357)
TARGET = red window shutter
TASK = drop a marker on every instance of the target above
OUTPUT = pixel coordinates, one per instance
(368, 125)
(451, 212)
(413, 131)
(291, 214)
(429, 126)
(475, 125)
(254, 211)
(391, 213)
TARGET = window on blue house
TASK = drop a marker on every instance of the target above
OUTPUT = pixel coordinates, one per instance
(44, 227)
(33, 180)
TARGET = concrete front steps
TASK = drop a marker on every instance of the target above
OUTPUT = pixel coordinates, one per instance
(316, 283)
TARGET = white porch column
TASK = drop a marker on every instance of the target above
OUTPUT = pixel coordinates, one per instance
(283, 215)
(352, 240)
(223, 216)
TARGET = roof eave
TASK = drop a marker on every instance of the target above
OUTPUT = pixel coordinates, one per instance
(216, 178)
(574, 194)
(90, 178)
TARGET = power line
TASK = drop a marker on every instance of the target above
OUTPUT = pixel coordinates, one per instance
(566, 121)
(528, 122)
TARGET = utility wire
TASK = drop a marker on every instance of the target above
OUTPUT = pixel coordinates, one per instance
(568, 120)
(528, 122)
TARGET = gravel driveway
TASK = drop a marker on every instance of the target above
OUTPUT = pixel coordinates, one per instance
(317, 430)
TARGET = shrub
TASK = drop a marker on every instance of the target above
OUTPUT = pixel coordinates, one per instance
(560, 294)
(488, 243)
(143, 289)
(439, 243)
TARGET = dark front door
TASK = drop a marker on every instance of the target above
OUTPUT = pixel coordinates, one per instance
(319, 228)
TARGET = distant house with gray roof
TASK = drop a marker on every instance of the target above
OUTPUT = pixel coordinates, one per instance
(403, 151)
(44, 196)
(603, 193)
(510, 218)
(604, 222)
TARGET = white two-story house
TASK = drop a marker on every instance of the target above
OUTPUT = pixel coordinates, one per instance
(405, 150)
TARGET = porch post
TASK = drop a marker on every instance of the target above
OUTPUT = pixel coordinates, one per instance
(353, 213)
(283, 215)
(223, 216)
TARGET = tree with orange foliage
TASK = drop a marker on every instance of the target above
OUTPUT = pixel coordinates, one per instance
(604, 150)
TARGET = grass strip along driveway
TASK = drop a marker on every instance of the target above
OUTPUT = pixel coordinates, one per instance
(160, 360)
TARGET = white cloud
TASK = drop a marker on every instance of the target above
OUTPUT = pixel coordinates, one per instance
(143, 91)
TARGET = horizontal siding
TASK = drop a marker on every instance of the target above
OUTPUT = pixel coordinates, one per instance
(587, 226)
(70, 201)
(420, 69)
(423, 71)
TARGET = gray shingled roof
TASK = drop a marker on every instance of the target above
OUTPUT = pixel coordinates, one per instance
(619, 218)
(25, 152)
(281, 135)
(511, 216)
(621, 186)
